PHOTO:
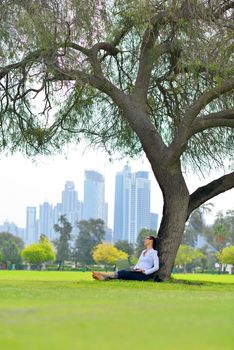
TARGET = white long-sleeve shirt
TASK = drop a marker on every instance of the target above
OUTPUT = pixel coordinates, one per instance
(148, 262)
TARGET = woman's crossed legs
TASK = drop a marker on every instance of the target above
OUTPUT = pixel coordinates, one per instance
(122, 275)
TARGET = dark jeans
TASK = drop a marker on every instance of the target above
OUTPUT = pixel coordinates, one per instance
(131, 275)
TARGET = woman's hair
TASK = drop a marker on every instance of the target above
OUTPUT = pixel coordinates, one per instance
(155, 241)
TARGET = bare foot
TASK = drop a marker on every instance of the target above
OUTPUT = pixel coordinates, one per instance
(94, 275)
(98, 276)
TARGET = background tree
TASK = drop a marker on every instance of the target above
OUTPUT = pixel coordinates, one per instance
(64, 229)
(126, 247)
(207, 263)
(107, 254)
(10, 252)
(39, 253)
(217, 236)
(1, 256)
(11, 245)
(91, 233)
(140, 240)
(6, 236)
(196, 225)
(153, 76)
(225, 222)
(186, 255)
(226, 256)
(229, 221)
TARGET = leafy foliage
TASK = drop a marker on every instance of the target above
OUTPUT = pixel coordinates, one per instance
(6, 236)
(10, 252)
(221, 233)
(38, 253)
(196, 225)
(10, 247)
(187, 255)
(91, 233)
(64, 229)
(192, 52)
(226, 256)
(107, 254)
(125, 246)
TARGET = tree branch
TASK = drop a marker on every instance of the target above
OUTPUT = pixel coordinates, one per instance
(219, 119)
(29, 58)
(183, 134)
(212, 189)
(228, 5)
(207, 97)
(109, 48)
(187, 10)
(146, 62)
(119, 36)
(78, 47)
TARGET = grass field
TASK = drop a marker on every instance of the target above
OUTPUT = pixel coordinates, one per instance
(68, 310)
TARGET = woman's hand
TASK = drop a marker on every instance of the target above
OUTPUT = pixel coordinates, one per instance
(139, 270)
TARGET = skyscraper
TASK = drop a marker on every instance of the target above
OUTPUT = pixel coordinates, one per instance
(94, 196)
(71, 206)
(154, 221)
(45, 220)
(142, 203)
(57, 212)
(121, 208)
(69, 198)
(132, 204)
(31, 225)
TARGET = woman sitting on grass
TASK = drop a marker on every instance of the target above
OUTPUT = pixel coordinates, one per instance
(147, 264)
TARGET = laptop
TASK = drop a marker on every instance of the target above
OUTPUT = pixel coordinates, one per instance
(123, 265)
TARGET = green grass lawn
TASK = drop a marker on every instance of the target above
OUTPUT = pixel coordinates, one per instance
(68, 310)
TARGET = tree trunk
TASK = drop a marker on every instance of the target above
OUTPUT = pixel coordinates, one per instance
(176, 199)
(59, 266)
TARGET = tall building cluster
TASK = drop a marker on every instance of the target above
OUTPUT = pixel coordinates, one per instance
(132, 205)
(93, 206)
(131, 208)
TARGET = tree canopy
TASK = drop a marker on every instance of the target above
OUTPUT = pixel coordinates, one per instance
(196, 225)
(6, 236)
(10, 252)
(175, 57)
(38, 253)
(91, 233)
(125, 246)
(10, 247)
(226, 256)
(187, 255)
(64, 229)
(221, 233)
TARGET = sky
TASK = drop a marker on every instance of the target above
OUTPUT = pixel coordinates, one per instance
(26, 182)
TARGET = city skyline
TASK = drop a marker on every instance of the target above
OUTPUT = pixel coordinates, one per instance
(41, 219)
(24, 182)
(93, 206)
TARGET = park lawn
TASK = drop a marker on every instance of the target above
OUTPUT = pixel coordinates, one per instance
(68, 310)
(206, 278)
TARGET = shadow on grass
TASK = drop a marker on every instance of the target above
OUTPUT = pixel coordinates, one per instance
(198, 283)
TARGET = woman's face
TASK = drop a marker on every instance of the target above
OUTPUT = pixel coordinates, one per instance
(148, 243)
